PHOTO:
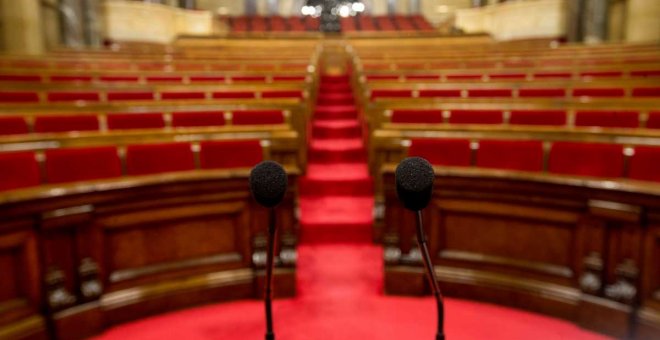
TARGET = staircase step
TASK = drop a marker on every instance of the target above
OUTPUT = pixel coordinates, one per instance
(335, 88)
(336, 179)
(335, 112)
(334, 79)
(344, 128)
(335, 99)
(336, 219)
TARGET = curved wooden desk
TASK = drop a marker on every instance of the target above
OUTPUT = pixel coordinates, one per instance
(78, 258)
(576, 248)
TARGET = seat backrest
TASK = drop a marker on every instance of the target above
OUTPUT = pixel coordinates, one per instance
(446, 151)
(622, 119)
(18, 170)
(653, 121)
(43, 124)
(230, 154)
(13, 125)
(127, 121)
(538, 117)
(142, 159)
(198, 118)
(257, 117)
(586, 159)
(524, 155)
(645, 164)
(417, 116)
(476, 117)
(391, 94)
(81, 164)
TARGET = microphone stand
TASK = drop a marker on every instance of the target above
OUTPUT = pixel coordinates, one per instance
(430, 273)
(270, 335)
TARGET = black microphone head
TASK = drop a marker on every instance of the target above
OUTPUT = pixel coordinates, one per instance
(268, 183)
(414, 182)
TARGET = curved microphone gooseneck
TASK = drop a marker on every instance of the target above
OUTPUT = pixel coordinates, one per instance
(268, 182)
(414, 187)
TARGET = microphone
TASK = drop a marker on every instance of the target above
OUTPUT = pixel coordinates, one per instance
(268, 182)
(414, 187)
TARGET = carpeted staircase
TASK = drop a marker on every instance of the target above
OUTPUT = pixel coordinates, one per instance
(336, 196)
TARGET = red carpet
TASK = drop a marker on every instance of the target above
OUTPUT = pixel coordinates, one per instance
(340, 274)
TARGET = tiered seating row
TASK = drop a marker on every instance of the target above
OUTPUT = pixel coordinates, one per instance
(111, 64)
(24, 169)
(14, 125)
(498, 75)
(566, 158)
(549, 117)
(273, 24)
(142, 78)
(385, 23)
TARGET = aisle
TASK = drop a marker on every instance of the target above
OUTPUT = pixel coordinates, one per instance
(336, 196)
(340, 272)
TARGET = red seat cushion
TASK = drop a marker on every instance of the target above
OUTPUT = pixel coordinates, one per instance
(645, 164)
(171, 95)
(391, 94)
(233, 95)
(120, 121)
(464, 76)
(451, 152)
(158, 158)
(68, 123)
(646, 92)
(13, 125)
(481, 93)
(511, 155)
(230, 154)
(112, 96)
(440, 93)
(81, 164)
(546, 75)
(198, 118)
(602, 74)
(84, 79)
(623, 119)
(507, 76)
(18, 97)
(476, 117)
(18, 170)
(417, 116)
(20, 78)
(382, 77)
(288, 78)
(282, 94)
(586, 159)
(207, 78)
(257, 117)
(73, 96)
(538, 117)
(248, 78)
(653, 121)
(645, 73)
(164, 79)
(125, 79)
(422, 77)
(602, 92)
(541, 93)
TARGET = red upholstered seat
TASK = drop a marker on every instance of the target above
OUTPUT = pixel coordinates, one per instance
(248, 78)
(207, 78)
(480, 93)
(464, 76)
(77, 78)
(509, 76)
(440, 93)
(547, 75)
(423, 77)
(451, 152)
(511, 155)
(645, 164)
(178, 95)
(130, 95)
(20, 78)
(67, 123)
(417, 116)
(82, 164)
(622, 119)
(18, 97)
(13, 125)
(602, 74)
(538, 117)
(645, 73)
(198, 118)
(119, 79)
(230, 154)
(73, 96)
(599, 92)
(145, 159)
(288, 78)
(164, 79)
(476, 117)
(120, 121)
(233, 95)
(646, 92)
(653, 121)
(586, 159)
(282, 94)
(257, 117)
(391, 94)
(18, 170)
(382, 77)
(541, 93)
